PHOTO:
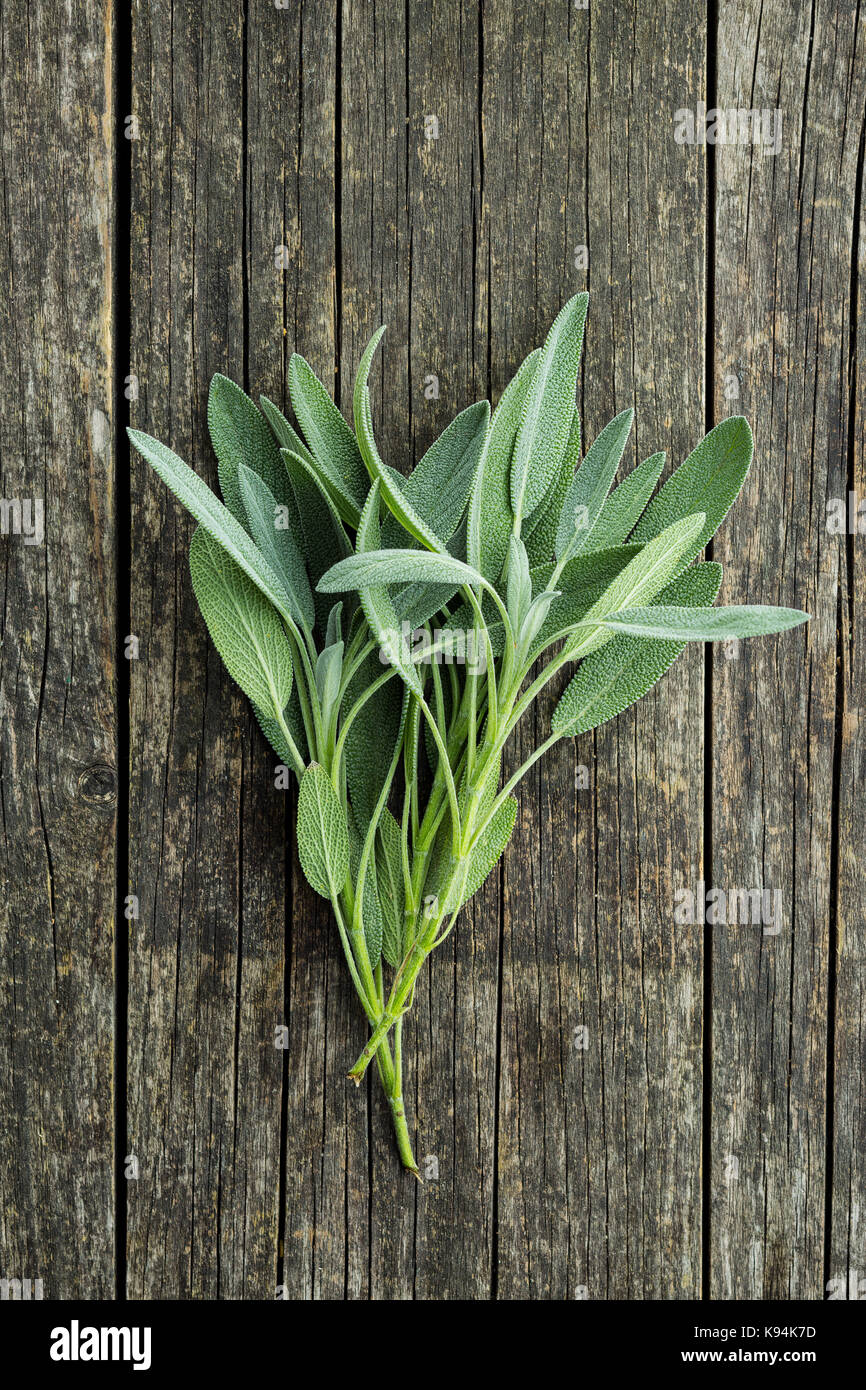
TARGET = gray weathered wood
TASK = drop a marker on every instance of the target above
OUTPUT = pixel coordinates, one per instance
(58, 749)
(206, 847)
(782, 284)
(600, 1133)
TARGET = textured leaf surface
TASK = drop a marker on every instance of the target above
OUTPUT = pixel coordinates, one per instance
(277, 544)
(385, 567)
(391, 490)
(623, 508)
(539, 532)
(438, 488)
(244, 627)
(708, 481)
(373, 736)
(545, 424)
(330, 439)
(295, 724)
(592, 482)
(371, 912)
(389, 877)
(490, 847)
(325, 540)
(656, 565)
(684, 625)
(285, 434)
(323, 834)
(377, 602)
(490, 519)
(619, 674)
(240, 435)
(216, 519)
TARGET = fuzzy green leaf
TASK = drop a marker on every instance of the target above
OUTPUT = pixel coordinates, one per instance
(708, 481)
(592, 482)
(490, 847)
(277, 544)
(622, 509)
(371, 911)
(210, 513)
(323, 834)
(391, 490)
(325, 540)
(372, 737)
(490, 518)
(377, 602)
(389, 877)
(331, 441)
(547, 413)
(384, 567)
(612, 679)
(682, 625)
(285, 434)
(293, 720)
(244, 627)
(659, 561)
(240, 435)
(439, 486)
(539, 532)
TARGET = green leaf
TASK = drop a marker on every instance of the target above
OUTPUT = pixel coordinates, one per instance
(391, 491)
(244, 627)
(438, 488)
(325, 540)
(708, 481)
(277, 544)
(293, 720)
(371, 910)
(490, 847)
(619, 674)
(382, 567)
(323, 834)
(240, 435)
(539, 532)
(490, 517)
(547, 413)
(656, 565)
(373, 736)
(331, 441)
(622, 509)
(683, 625)
(286, 436)
(389, 877)
(591, 485)
(216, 519)
(583, 582)
(377, 603)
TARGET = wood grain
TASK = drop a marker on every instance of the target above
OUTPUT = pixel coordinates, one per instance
(588, 1079)
(58, 717)
(782, 285)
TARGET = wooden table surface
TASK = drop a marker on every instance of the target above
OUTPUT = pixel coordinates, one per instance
(608, 1102)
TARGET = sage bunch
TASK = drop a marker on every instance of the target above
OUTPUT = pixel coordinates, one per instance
(391, 631)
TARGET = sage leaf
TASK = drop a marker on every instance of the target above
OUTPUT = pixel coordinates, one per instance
(438, 487)
(330, 439)
(684, 625)
(383, 567)
(708, 481)
(623, 508)
(620, 673)
(323, 833)
(545, 424)
(389, 877)
(490, 846)
(277, 544)
(592, 481)
(244, 627)
(240, 435)
(490, 518)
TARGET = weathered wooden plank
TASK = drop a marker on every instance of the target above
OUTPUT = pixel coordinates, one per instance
(58, 748)
(411, 184)
(782, 285)
(292, 200)
(847, 1245)
(599, 1141)
(206, 824)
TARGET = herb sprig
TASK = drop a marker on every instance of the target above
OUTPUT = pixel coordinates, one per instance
(391, 631)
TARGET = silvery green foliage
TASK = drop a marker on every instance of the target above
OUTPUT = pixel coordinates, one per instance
(391, 631)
